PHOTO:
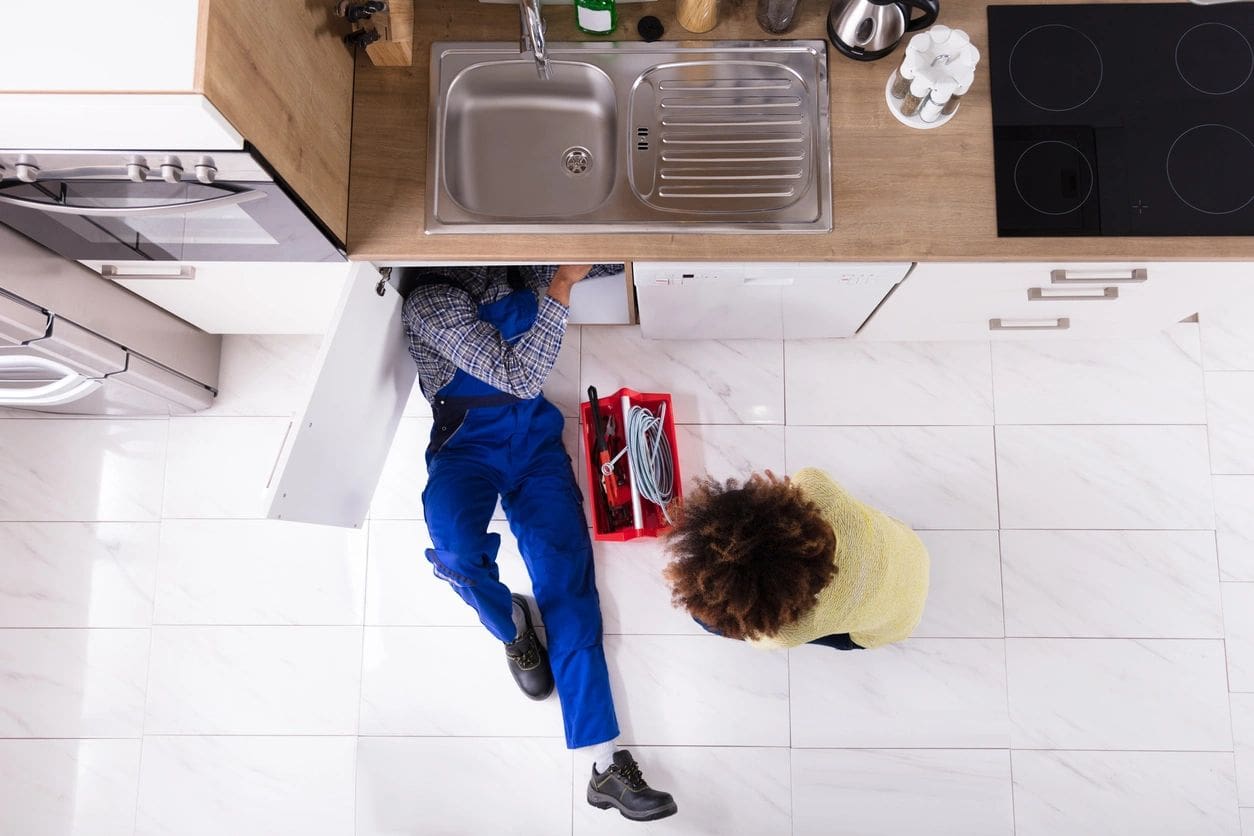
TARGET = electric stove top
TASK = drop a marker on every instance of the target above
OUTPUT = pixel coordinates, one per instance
(1123, 119)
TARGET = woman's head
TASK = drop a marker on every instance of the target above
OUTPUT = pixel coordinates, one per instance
(749, 558)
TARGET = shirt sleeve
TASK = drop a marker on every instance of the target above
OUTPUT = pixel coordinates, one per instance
(543, 273)
(447, 320)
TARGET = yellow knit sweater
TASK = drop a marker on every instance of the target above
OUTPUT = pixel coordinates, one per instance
(880, 585)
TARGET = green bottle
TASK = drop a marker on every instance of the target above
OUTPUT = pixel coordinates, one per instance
(596, 17)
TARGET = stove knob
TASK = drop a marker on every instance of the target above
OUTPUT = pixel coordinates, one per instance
(206, 171)
(137, 169)
(27, 172)
(171, 170)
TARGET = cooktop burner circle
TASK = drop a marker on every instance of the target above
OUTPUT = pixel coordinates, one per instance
(1214, 58)
(1054, 177)
(1211, 169)
(1056, 67)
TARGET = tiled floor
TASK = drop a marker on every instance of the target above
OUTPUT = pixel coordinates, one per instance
(172, 664)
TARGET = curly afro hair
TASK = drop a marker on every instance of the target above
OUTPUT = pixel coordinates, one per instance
(749, 559)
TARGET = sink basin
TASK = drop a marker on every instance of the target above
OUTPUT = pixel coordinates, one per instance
(520, 146)
(630, 137)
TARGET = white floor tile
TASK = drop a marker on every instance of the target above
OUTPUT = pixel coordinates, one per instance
(219, 467)
(1243, 743)
(1247, 821)
(719, 791)
(59, 469)
(891, 792)
(635, 597)
(930, 693)
(77, 574)
(68, 787)
(1118, 694)
(1234, 521)
(847, 382)
(727, 451)
(446, 681)
(1230, 406)
(1111, 584)
(930, 477)
(246, 786)
(1228, 339)
(1239, 625)
(1104, 477)
(1155, 380)
(260, 572)
(254, 680)
(399, 493)
(698, 691)
(1126, 793)
(562, 389)
(710, 381)
(401, 589)
(964, 593)
(265, 374)
(72, 683)
(437, 785)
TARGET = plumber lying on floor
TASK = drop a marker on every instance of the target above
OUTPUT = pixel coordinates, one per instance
(485, 340)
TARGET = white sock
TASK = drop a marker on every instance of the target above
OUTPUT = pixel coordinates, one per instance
(601, 754)
(520, 621)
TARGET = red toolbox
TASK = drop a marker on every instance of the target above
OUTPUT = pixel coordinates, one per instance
(610, 408)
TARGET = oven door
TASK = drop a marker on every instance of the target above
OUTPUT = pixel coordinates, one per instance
(114, 219)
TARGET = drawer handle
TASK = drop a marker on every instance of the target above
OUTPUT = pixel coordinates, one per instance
(179, 272)
(1134, 276)
(1076, 294)
(1060, 323)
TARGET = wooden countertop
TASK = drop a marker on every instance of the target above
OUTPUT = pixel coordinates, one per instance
(899, 194)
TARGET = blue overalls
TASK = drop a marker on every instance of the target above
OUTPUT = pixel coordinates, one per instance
(486, 443)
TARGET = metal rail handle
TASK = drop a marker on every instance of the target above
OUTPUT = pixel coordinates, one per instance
(1135, 275)
(1045, 294)
(132, 211)
(1061, 323)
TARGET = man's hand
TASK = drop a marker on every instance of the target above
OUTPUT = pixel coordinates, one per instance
(564, 279)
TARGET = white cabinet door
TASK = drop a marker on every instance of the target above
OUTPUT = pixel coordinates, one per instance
(237, 297)
(335, 451)
(962, 301)
(760, 300)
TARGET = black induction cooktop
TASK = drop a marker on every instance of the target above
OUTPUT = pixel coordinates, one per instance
(1123, 119)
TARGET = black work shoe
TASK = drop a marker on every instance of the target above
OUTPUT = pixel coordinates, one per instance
(528, 660)
(623, 788)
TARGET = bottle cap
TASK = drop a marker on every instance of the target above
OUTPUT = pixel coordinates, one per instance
(921, 42)
(920, 87)
(650, 28)
(940, 33)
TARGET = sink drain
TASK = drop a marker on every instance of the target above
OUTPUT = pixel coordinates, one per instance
(577, 160)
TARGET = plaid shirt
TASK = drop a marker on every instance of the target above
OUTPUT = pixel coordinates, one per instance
(446, 334)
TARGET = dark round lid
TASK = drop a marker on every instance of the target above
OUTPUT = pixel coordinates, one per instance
(650, 28)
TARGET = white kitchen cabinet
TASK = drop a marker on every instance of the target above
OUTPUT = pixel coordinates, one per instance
(237, 298)
(761, 299)
(335, 450)
(970, 301)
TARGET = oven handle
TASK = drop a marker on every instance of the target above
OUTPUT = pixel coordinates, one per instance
(128, 211)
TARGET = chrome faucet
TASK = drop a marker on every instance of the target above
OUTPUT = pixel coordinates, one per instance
(532, 39)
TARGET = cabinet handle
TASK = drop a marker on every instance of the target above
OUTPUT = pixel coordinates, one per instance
(1060, 323)
(1134, 276)
(1077, 294)
(164, 272)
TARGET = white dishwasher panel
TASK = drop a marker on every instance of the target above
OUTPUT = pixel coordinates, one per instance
(760, 299)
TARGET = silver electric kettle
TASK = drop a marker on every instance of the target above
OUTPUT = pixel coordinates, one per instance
(870, 29)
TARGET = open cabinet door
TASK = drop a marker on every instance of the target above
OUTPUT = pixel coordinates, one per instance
(334, 453)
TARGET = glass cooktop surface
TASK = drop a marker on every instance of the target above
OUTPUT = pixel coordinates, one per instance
(1123, 119)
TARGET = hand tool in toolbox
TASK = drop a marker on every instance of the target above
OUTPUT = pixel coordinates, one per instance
(612, 485)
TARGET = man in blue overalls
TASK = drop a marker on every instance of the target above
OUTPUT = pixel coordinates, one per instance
(485, 340)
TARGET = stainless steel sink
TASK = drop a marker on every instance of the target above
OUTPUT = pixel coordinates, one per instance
(630, 137)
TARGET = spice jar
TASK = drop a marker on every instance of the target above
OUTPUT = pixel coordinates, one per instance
(919, 88)
(901, 80)
(697, 15)
(777, 16)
